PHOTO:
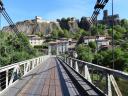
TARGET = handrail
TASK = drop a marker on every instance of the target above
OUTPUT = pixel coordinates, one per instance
(106, 74)
(116, 73)
(11, 73)
(4, 68)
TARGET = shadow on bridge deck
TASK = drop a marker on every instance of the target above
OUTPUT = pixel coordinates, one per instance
(42, 81)
(48, 79)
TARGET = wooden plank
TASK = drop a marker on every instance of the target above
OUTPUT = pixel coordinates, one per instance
(52, 82)
(58, 91)
(43, 81)
(46, 87)
(52, 90)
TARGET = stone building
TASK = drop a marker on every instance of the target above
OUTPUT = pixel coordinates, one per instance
(61, 46)
(35, 40)
(100, 40)
(57, 47)
(108, 19)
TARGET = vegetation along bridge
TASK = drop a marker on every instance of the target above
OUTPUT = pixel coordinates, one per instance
(60, 75)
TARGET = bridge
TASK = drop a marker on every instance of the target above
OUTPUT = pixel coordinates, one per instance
(58, 76)
(53, 75)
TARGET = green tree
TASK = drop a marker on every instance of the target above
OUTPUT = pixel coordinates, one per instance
(84, 53)
(124, 23)
(13, 49)
(104, 58)
(92, 45)
(66, 33)
(40, 34)
(98, 30)
(54, 34)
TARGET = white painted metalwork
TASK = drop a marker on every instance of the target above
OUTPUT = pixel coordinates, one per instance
(115, 86)
(87, 74)
(110, 73)
(76, 67)
(71, 63)
(109, 86)
(13, 72)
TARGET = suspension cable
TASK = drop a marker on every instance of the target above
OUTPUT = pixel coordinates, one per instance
(12, 25)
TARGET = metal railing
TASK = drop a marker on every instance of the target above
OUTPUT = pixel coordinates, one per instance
(11, 73)
(104, 78)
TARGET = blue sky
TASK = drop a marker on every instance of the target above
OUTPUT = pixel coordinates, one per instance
(20, 10)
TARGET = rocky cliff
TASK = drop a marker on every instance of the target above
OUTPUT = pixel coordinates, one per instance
(32, 27)
(38, 25)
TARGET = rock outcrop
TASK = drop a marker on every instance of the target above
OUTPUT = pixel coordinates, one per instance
(38, 25)
(30, 27)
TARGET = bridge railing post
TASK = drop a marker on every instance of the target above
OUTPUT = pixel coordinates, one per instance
(111, 81)
(71, 64)
(109, 89)
(76, 66)
(87, 74)
(7, 78)
(33, 64)
(13, 72)
(67, 60)
(98, 75)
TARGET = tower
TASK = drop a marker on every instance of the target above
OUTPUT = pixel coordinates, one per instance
(105, 14)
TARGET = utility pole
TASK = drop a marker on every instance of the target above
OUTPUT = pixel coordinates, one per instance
(113, 57)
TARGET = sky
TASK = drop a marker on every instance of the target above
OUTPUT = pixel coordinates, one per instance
(20, 10)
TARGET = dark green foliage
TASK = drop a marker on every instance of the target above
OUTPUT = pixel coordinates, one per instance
(14, 49)
(104, 58)
(40, 34)
(92, 45)
(56, 34)
(80, 33)
(84, 53)
(98, 30)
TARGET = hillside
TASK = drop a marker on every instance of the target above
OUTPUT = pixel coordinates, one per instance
(37, 25)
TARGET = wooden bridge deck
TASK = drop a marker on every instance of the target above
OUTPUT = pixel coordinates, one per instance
(49, 79)
(45, 81)
(42, 81)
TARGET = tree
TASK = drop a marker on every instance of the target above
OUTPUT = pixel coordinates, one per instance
(124, 23)
(117, 35)
(13, 49)
(84, 53)
(120, 29)
(54, 34)
(98, 30)
(66, 33)
(40, 34)
(104, 58)
(92, 45)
